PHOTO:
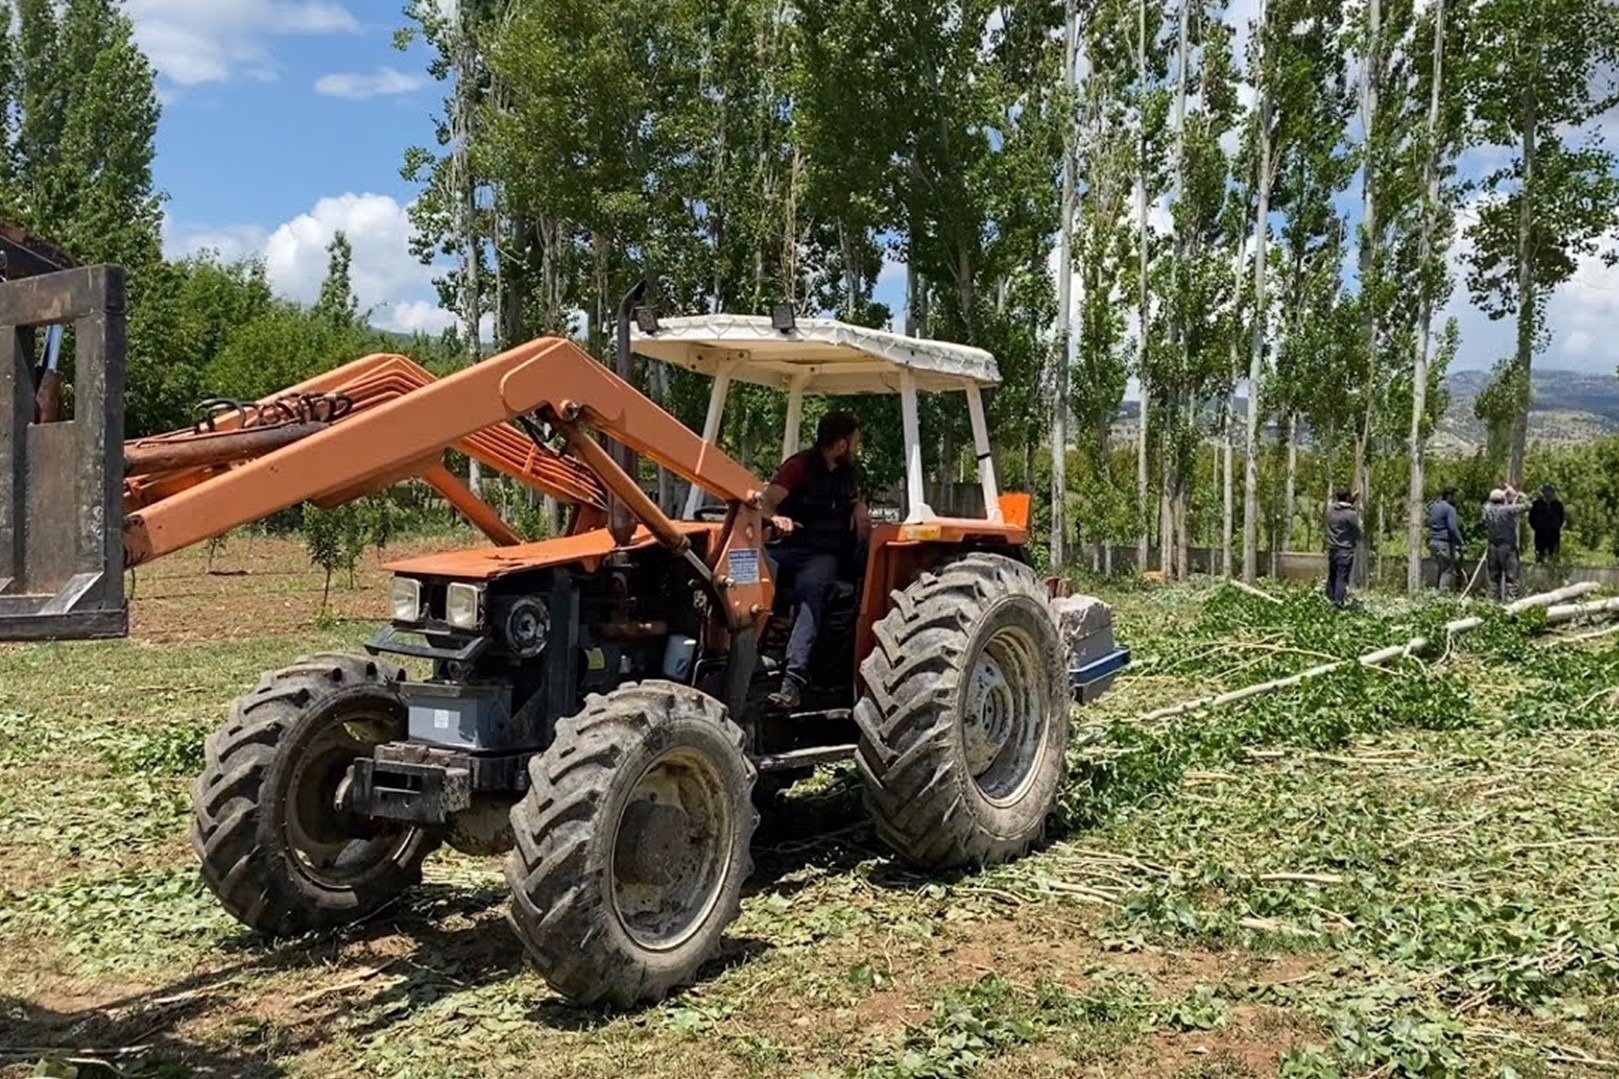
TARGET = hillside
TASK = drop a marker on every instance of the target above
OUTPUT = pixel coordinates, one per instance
(1569, 407)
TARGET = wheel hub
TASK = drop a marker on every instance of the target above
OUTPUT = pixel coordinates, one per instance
(655, 844)
(1004, 714)
(333, 845)
(672, 849)
(990, 705)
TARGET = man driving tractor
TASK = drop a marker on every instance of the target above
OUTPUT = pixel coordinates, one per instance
(815, 506)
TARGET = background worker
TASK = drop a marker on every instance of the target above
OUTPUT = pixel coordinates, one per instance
(1343, 537)
(1501, 515)
(1445, 538)
(1546, 520)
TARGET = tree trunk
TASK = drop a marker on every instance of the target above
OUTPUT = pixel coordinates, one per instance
(1526, 293)
(1329, 454)
(1256, 355)
(1228, 522)
(1183, 501)
(1415, 500)
(1141, 305)
(1166, 514)
(1228, 455)
(1181, 414)
(1369, 263)
(1065, 320)
(466, 194)
(1290, 503)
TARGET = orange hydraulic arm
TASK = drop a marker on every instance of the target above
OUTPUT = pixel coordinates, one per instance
(155, 468)
(401, 423)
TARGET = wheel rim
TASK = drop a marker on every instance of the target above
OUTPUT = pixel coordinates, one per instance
(671, 850)
(335, 848)
(1005, 715)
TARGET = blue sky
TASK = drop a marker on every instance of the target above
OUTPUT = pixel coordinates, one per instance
(283, 121)
(286, 120)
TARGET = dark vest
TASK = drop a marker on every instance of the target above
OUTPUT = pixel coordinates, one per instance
(822, 506)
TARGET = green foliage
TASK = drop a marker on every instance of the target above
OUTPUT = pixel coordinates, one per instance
(175, 750)
(967, 1028)
(336, 303)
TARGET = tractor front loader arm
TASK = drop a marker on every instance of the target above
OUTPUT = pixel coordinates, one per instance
(404, 435)
(65, 487)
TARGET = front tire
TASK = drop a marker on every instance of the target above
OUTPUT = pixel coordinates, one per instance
(964, 724)
(275, 849)
(632, 844)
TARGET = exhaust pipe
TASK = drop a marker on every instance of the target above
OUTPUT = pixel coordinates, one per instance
(620, 522)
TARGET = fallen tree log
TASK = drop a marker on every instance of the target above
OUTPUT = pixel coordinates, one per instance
(1556, 611)
(1257, 593)
(1573, 612)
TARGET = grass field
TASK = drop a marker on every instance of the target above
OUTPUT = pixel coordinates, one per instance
(1409, 872)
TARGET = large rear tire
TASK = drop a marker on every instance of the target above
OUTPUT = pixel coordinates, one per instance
(274, 847)
(964, 722)
(632, 844)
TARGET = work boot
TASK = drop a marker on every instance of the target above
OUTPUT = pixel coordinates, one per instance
(788, 697)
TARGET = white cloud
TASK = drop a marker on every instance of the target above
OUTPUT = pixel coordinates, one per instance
(358, 86)
(384, 273)
(388, 280)
(192, 42)
(229, 242)
(1580, 314)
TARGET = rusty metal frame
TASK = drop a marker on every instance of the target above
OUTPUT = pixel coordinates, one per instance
(61, 484)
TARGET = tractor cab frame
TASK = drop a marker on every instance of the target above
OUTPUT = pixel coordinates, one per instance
(826, 357)
(832, 359)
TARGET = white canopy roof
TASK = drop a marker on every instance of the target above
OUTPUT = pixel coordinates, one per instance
(835, 357)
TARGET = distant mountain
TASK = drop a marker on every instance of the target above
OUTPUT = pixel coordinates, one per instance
(1568, 407)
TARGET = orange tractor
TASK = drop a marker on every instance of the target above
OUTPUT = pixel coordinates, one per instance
(594, 704)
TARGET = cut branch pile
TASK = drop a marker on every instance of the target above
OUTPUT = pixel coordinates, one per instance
(1558, 610)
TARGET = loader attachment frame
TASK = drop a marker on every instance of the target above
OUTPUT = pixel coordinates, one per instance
(61, 483)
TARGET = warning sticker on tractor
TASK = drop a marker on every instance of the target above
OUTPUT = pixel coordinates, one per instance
(744, 563)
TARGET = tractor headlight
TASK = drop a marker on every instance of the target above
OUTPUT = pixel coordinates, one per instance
(407, 599)
(527, 625)
(463, 605)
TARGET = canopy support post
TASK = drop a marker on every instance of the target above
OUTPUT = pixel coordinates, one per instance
(986, 459)
(795, 416)
(711, 430)
(916, 498)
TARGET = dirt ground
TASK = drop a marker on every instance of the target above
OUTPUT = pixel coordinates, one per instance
(1172, 937)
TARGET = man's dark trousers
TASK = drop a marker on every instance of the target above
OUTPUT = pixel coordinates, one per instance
(1444, 557)
(1501, 567)
(1340, 564)
(811, 574)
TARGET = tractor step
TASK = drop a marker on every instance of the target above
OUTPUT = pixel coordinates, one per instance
(825, 715)
(803, 758)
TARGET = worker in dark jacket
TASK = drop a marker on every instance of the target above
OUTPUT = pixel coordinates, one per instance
(1546, 519)
(1501, 515)
(1343, 537)
(1445, 538)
